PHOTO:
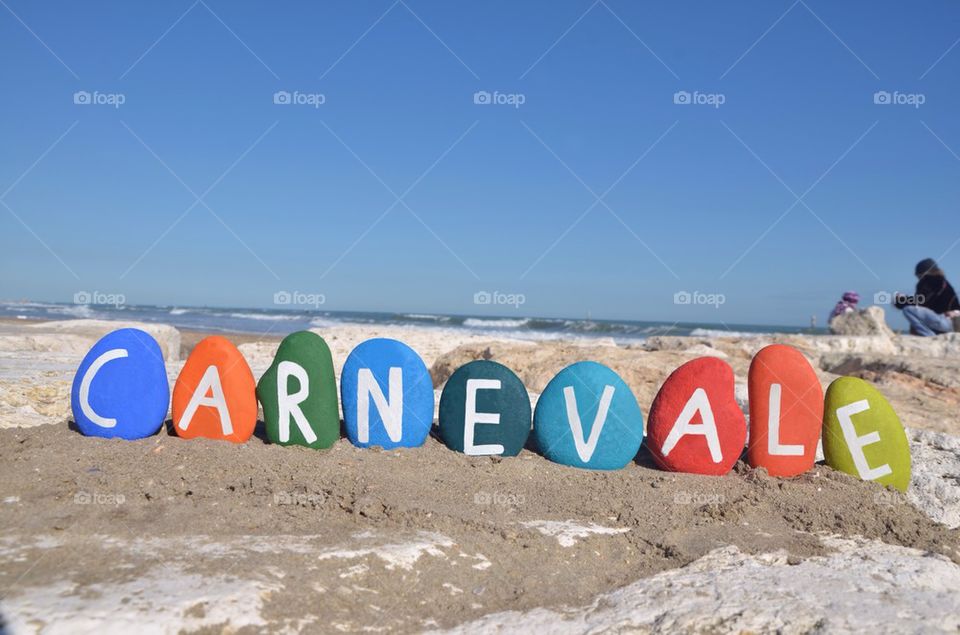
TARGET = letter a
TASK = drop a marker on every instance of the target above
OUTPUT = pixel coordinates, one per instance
(209, 383)
(698, 402)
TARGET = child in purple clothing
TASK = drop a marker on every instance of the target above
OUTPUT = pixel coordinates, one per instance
(847, 303)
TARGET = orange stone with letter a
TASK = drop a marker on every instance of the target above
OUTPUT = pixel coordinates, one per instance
(786, 411)
(215, 395)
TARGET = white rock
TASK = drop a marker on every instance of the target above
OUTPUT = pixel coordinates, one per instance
(934, 488)
(869, 321)
(78, 336)
(864, 586)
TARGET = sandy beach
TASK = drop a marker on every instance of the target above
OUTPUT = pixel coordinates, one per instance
(167, 535)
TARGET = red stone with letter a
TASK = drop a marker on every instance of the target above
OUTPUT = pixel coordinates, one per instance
(695, 423)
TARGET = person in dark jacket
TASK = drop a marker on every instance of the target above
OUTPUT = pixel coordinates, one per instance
(931, 309)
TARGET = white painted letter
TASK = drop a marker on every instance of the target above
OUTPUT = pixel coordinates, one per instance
(682, 426)
(773, 427)
(391, 410)
(289, 405)
(109, 356)
(210, 383)
(471, 417)
(856, 444)
(585, 448)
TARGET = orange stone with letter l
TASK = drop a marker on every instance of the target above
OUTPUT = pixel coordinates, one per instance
(215, 395)
(695, 423)
(786, 411)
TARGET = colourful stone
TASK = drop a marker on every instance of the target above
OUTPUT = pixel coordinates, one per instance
(121, 389)
(863, 436)
(786, 411)
(484, 410)
(215, 394)
(387, 395)
(588, 417)
(695, 424)
(298, 393)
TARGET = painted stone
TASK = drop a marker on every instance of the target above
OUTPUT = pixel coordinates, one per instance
(484, 410)
(786, 411)
(863, 436)
(215, 394)
(299, 393)
(588, 417)
(695, 424)
(387, 395)
(121, 389)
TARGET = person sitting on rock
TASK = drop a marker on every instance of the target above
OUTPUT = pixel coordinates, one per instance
(847, 303)
(931, 309)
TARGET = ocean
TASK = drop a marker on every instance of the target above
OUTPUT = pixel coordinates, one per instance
(279, 321)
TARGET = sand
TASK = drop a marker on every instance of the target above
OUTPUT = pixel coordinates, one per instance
(163, 535)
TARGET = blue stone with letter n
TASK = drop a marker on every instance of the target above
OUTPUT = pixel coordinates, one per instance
(389, 381)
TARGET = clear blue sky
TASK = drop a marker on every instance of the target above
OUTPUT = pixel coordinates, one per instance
(92, 193)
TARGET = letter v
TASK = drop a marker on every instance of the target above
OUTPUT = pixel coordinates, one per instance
(585, 448)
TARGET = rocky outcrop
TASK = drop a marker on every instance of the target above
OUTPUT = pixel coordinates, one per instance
(869, 321)
(76, 337)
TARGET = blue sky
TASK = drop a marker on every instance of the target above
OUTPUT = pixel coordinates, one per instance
(598, 194)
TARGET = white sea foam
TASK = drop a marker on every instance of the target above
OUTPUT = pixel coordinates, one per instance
(77, 311)
(269, 317)
(721, 333)
(427, 316)
(495, 323)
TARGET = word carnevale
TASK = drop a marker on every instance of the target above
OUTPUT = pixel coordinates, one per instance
(586, 417)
